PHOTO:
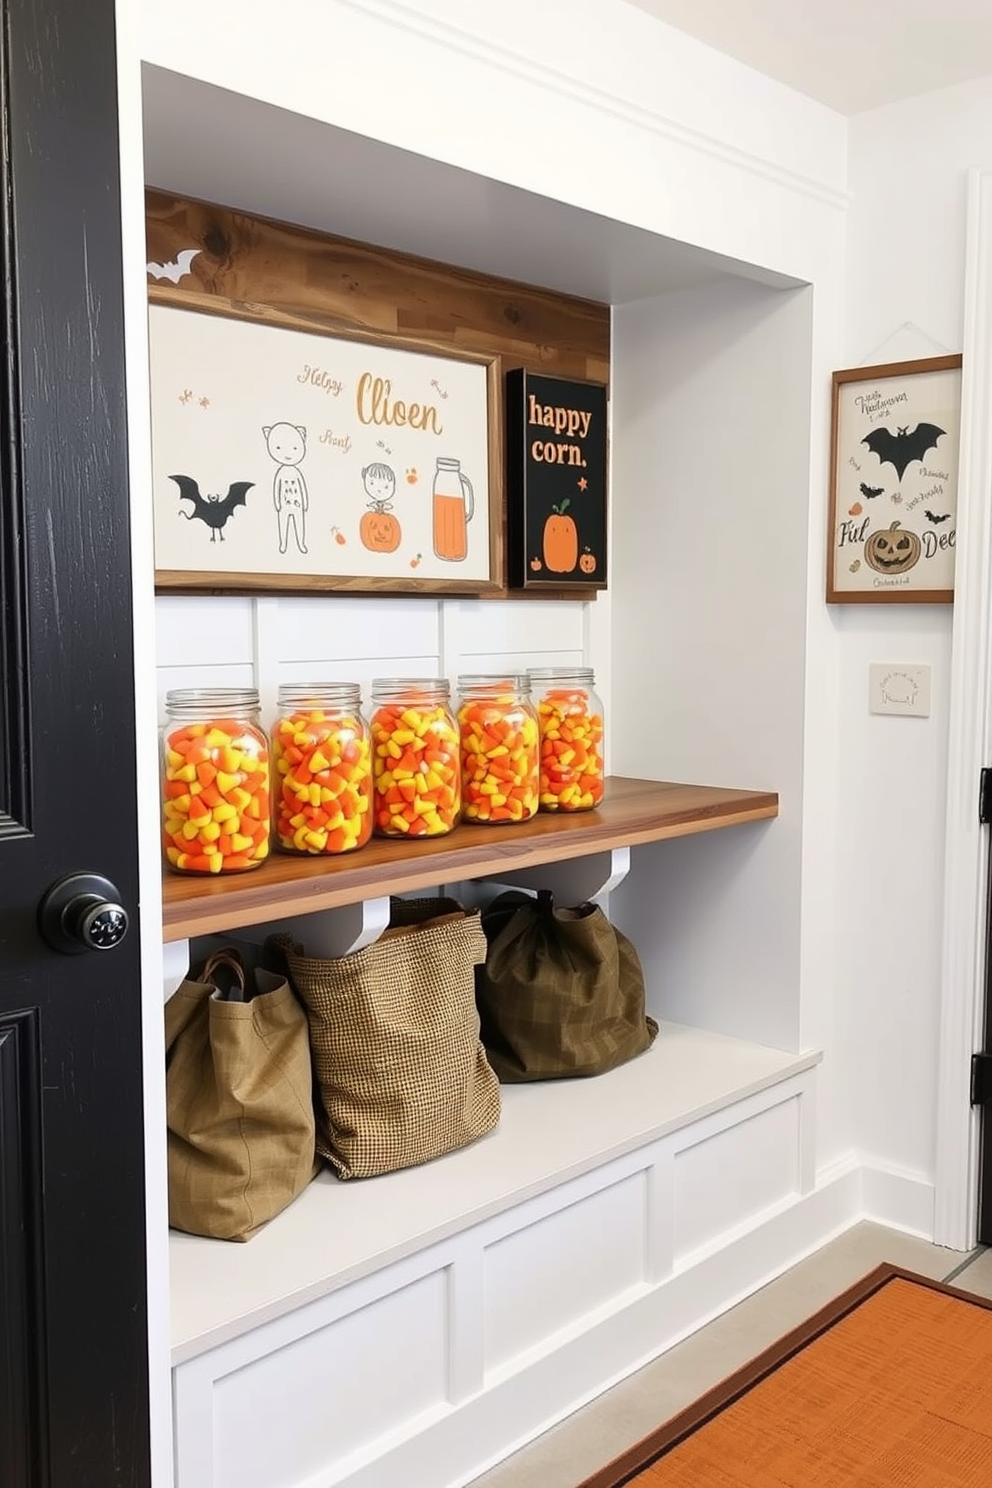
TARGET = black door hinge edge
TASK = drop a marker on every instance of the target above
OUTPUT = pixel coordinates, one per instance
(985, 796)
(981, 1079)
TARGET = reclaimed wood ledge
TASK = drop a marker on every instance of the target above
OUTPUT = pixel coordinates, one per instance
(633, 812)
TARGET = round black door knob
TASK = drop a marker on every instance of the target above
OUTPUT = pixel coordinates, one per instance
(82, 912)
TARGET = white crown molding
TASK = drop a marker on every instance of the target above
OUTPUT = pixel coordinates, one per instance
(965, 871)
(406, 17)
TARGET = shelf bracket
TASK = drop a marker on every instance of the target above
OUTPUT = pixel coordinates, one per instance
(329, 932)
(325, 932)
(588, 879)
(175, 966)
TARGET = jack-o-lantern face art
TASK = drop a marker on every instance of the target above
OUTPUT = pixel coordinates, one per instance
(892, 550)
(379, 530)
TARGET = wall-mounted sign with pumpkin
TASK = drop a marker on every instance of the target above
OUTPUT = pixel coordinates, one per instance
(556, 482)
(893, 482)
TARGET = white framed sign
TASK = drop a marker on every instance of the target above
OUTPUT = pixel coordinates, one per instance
(895, 435)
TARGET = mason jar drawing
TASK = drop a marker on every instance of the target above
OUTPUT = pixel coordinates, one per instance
(454, 508)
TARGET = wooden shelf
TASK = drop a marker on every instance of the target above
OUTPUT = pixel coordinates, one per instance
(633, 812)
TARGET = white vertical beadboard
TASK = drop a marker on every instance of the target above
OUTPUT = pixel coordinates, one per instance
(215, 641)
(202, 629)
(511, 636)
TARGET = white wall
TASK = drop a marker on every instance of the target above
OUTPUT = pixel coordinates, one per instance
(622, 121)
(588, 102)
(570, 137)
(905, 279)
(711, 413)
(589, 108)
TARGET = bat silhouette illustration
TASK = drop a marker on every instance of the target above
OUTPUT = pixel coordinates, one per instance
(871, 491)
(944, 517)
(904, 446)
(175, 270)
(213, 510)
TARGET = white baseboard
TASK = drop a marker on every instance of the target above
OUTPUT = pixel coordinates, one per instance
(899, 1199)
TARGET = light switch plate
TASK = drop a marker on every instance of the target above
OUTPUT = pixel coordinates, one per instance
(899, 687)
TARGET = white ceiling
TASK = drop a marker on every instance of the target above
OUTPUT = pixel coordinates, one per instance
(849, 54)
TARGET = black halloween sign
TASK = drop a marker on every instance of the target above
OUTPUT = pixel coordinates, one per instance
(556, 482)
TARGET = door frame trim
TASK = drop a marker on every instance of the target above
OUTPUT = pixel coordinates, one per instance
(969, 744)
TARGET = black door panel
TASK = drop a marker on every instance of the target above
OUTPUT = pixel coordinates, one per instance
(73, 1349)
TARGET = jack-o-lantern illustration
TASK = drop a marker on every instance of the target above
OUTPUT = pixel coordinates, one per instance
(561, 540)
(587, 562)
(379, 529)
(892, 550)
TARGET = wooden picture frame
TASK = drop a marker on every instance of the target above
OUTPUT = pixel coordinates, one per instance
(894, 449)
(292, 458)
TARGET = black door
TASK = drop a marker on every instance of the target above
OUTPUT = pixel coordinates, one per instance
(73, 1366)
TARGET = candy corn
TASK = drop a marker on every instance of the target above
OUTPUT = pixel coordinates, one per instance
(215, 797)
(322, 765)
(572, 775)
(416, 772)
(499, 744)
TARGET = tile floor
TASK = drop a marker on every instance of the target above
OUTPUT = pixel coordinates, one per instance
(562, 1457)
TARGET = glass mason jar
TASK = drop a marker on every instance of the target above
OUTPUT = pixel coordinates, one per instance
(570, 716)
(499, 749)
(416, 769)
(321, 769)
(215, 781)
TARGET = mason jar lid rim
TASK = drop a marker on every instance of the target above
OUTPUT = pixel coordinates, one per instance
(494, 679)
(228, 696)
(318, 689)
(399, 684)
(545, 674)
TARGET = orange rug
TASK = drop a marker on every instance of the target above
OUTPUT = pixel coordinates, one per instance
(888, 1386)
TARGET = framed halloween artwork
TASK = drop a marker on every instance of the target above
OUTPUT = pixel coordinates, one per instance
(556, 482)
(292, 457)
(895, 434)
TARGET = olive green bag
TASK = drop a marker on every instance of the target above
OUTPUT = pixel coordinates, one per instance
(239, 1099)
(561, 992)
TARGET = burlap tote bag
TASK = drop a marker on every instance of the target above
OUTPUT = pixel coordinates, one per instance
(239, 1100)
(561, 992)
(394, 1035)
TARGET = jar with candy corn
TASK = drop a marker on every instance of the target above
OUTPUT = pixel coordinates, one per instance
(321, 770)
(499, 743)
(570, 717)
(416, 768)
(215, 781)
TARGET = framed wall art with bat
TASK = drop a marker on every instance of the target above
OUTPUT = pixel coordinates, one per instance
(287, 459)
(895, 433)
